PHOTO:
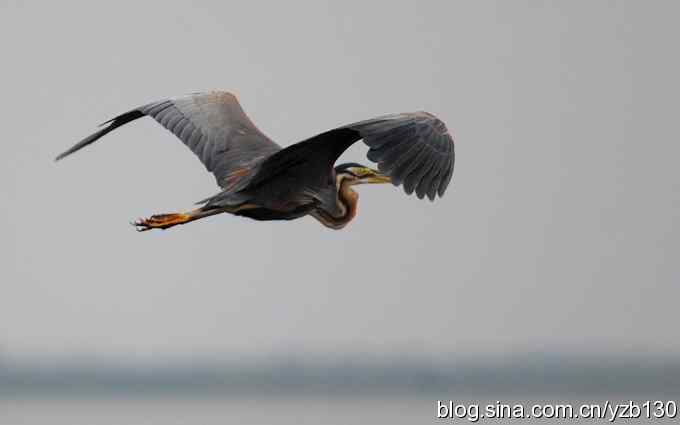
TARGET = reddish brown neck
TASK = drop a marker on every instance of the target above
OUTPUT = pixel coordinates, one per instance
(348, 198)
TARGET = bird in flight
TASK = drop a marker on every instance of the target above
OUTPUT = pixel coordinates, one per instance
(263, 181)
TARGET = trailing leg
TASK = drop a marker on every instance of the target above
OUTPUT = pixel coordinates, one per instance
(165, 221)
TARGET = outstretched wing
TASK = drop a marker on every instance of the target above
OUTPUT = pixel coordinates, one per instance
(415, 149)
(213, 125)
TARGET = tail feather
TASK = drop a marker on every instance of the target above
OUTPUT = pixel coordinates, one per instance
(112, 125)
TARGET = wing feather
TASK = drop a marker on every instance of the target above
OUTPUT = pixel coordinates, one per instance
(415, 149)
(213, 125)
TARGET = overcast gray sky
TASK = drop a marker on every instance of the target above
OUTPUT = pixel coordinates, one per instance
(559, 232)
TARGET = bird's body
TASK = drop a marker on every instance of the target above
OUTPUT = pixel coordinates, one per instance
(262, 181)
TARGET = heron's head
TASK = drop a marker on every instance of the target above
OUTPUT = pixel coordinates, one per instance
(359, 174)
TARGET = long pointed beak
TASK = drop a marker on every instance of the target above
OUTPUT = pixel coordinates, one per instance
(375, 177)
(378, 179)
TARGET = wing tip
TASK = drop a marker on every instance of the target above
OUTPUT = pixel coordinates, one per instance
(105, 128)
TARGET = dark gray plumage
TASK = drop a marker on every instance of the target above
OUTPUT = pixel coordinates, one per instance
(415, 149)
(261, 180)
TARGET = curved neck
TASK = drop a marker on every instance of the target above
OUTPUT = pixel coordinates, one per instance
(347, 200)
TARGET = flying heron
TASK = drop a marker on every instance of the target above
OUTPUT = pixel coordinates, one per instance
(263, 181)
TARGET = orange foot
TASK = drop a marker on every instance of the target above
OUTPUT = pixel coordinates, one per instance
(161, 221)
